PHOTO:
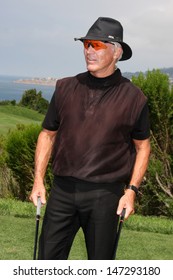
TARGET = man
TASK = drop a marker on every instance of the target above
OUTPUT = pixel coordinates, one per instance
(97, 132)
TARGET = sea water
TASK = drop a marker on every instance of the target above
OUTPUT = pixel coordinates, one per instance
(9, 90)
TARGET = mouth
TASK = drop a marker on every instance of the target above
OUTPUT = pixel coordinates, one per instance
(91, 59)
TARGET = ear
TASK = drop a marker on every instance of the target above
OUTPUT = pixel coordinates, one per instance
(118, 53)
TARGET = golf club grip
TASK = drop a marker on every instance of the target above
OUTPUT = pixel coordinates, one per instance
(38, 206)
(123, 214)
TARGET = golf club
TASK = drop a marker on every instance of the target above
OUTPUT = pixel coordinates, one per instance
(121, 220)
(37, 226)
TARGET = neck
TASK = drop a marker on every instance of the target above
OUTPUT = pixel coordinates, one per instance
(107, 81)
(103, 74)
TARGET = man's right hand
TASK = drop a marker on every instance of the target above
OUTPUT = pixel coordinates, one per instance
(38, 190)
(43, 152)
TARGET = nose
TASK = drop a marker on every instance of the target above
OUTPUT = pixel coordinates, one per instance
(90, 45)
(90, 48)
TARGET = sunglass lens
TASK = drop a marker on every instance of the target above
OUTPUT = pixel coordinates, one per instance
(97, 45)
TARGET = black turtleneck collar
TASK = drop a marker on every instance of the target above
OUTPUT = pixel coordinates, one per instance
(93, 82)
(108, 81)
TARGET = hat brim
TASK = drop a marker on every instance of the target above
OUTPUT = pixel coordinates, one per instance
(127, 51)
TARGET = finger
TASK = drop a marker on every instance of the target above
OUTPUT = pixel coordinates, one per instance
(120, 208)
(119, 211)
(33, 197)
(43, 198)
(129, 212)
(35, 200)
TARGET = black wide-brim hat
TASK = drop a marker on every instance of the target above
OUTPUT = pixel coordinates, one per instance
(108, 30)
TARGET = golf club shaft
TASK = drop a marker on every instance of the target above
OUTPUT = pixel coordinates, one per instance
(36, 239)
(121, 220)
(37, 226)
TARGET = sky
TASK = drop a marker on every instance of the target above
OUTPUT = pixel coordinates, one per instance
(37, 36)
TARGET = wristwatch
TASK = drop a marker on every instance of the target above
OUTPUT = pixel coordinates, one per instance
(131, 187)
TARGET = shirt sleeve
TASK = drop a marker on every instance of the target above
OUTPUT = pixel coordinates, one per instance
(141, 129)
(51, 121)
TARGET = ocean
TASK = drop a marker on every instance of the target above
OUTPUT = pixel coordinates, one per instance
(14, 91)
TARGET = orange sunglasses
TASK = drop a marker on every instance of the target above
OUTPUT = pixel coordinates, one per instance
(97, 45)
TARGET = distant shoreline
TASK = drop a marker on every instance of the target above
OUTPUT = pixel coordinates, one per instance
(35, 81)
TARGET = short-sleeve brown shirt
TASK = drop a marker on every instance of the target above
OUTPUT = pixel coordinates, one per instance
(96, 119)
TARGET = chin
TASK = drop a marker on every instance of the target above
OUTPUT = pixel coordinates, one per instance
(92, 68)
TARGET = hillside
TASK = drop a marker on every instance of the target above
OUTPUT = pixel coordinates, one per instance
(168, 71)
(11, 115)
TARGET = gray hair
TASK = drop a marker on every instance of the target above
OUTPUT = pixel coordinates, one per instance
(118, 45)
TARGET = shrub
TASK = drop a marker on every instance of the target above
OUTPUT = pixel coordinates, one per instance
(8, 102)
(157, 190)
(8, 185)
(20, 148)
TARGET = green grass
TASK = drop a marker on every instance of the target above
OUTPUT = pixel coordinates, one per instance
(150, 224)
(11, 115)
(135, 245)
(16, 208)
(142, 238)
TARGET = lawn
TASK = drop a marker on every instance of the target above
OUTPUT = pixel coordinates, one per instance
(11, 115)
(136, 243)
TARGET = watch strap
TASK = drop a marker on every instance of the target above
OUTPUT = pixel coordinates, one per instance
(132, 187)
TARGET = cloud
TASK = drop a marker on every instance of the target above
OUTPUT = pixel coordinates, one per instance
(37, 35)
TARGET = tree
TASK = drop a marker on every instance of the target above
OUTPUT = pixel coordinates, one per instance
(34, 100)
(158, 188)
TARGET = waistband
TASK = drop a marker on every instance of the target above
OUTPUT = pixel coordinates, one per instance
(70, 182)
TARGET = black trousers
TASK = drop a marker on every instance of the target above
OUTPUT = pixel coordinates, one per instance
(73, 204)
